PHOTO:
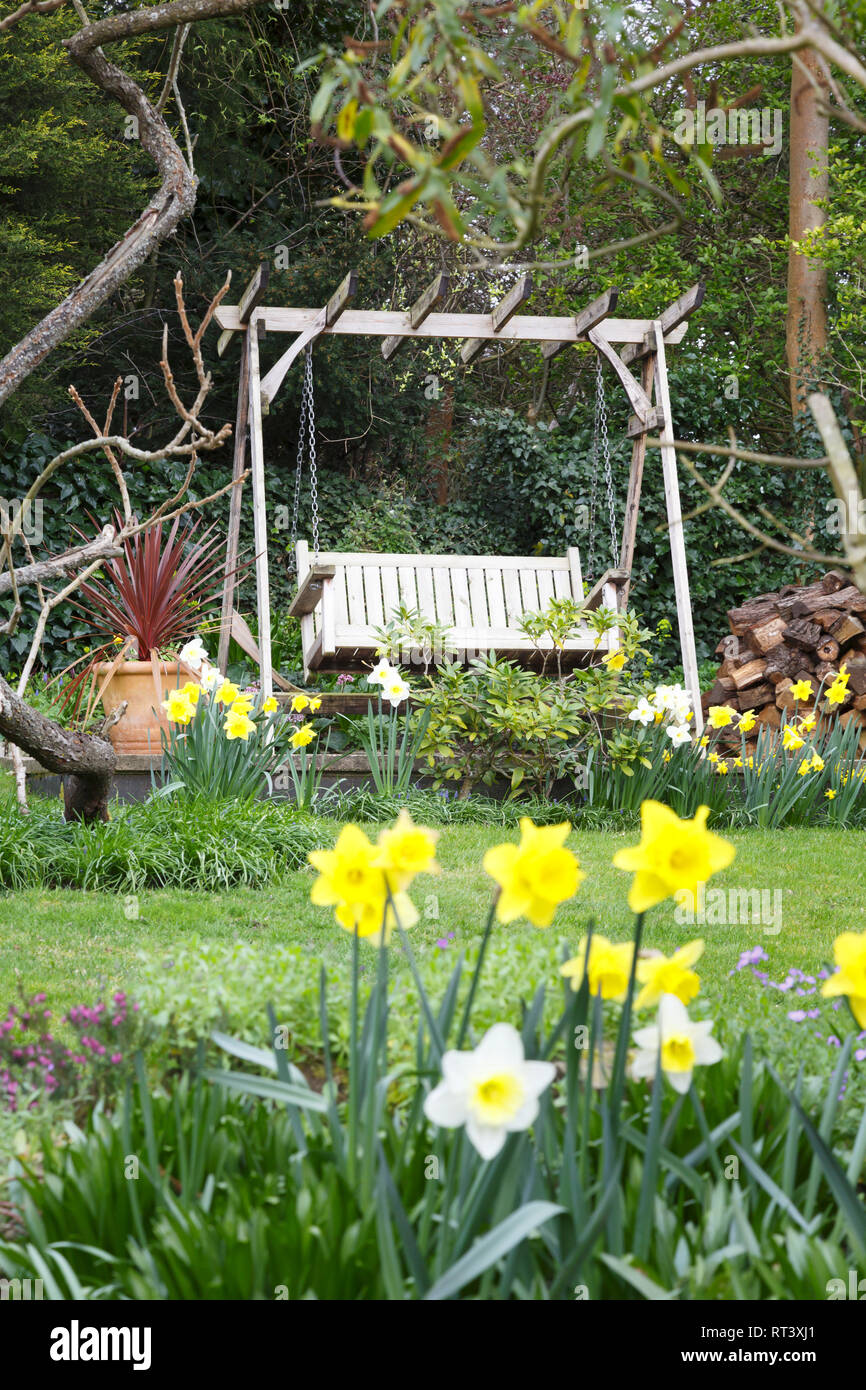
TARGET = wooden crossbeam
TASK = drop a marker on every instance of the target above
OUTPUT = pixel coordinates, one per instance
(381, 323)
(250, 299)
(499, 316)
(587, 319)
(421, 309)
(326, 318)
(675, 315)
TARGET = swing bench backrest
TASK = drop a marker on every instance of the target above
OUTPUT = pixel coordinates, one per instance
(345, 598)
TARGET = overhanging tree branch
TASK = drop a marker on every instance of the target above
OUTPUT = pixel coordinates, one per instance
(173, 201)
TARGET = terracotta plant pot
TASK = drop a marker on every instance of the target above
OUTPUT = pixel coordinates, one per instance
(138, 731)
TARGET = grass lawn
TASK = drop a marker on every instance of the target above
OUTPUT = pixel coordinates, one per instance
(77, 945)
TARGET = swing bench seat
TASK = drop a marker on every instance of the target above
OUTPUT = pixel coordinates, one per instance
(345, 598)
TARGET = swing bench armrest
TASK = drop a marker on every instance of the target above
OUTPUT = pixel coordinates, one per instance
(311, 590)
(614, 579)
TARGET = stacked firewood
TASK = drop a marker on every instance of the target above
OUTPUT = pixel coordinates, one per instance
(802, 633)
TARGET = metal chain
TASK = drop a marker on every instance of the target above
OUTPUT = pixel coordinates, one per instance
(608, 474)
(306, 435)
(311, 423)
(593, 496)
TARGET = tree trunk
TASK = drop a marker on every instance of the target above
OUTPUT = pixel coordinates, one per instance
(87, 761)
(806, 334)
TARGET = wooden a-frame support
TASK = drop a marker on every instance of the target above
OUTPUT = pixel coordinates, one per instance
(643, 340)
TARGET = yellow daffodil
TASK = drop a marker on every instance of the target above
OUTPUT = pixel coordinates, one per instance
(722, 769)
(720, 716)
(805, 766)
(271, 705)
(669, 975)
(704, 741)
(849, 953)
(299, 704)
(348, 873)
(351, 881)
(673, 854)
(314, 705)
(178, 707)
(791, 740)
(830, 793)
(405, 850)
(238, 725)
(817, 763)
(302, 736)
(609, 967)
(535, 876)
(192, 691)
(747, 722)
(375, 920)
(738, 762)
(712, 757)
(242, 705)
(838, 691)
(614, 661)
(802, 690)
(807, 724)
(227, 693)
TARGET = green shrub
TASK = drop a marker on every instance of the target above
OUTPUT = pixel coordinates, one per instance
(155, 844)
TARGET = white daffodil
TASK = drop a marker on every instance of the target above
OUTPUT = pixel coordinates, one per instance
(382, 673)
(678, 733)
(209, 677)
(194, 654)
(671, 698)
(680, 1044)
(395, 689)
(643, 712)
(493, 1091)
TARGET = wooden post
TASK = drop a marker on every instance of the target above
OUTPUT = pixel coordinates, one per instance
(635, 483)
(260, 518)
(234, 529)
(675, 531)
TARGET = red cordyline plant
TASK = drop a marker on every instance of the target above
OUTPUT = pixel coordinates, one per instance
(158, 590)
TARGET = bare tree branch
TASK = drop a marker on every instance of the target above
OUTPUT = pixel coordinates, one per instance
(173, 201)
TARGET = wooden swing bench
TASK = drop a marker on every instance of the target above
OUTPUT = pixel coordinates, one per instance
(344, 599)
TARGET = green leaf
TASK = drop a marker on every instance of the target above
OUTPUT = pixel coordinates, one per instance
(490, 1248)
(645, 1286)
(267, 1088)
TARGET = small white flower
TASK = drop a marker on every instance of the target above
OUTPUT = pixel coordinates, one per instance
(382, 673)
(493, 1091)
(680, 1044)
(643, 712)
(194, 654)
(395, 690)
(209, 677)
(678, 733)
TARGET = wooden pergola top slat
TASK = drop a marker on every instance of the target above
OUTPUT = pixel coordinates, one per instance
(384, 323)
